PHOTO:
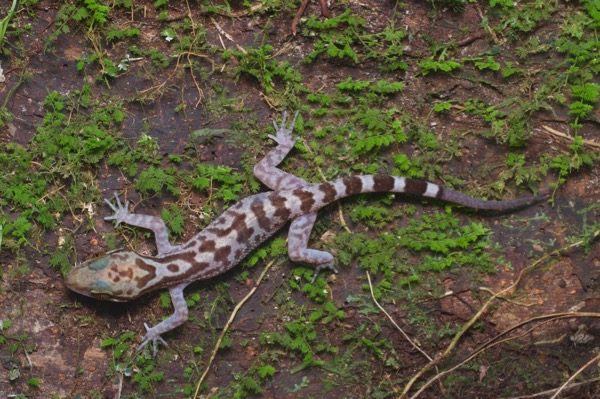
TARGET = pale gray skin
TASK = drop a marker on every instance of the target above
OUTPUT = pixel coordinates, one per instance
(125, 275)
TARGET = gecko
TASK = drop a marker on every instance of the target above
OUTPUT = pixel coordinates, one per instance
(124, 275)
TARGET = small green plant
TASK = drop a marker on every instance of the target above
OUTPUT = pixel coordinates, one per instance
(159, 60)
(4, 325)
(524, 17)
(119, 345)
(442, 106)
(586, 96)
(6, 20)
(519, 172)
(454, 5)
(486, 63)
(249, 382)
(451, 245)
(143, 373)
(67, 147)
(74, 149)
(510, 70)
(155, 181)
(327, 313)
(272, 248)
(438, 65)
(564, 164)
(174, 219)
(300, 337)
(346, 37)
(336, 35)
(92, 12)
(146, 151)
(34, 382)
(88, 14)
(115, 33)
(374, 216)
(509, 126)
(260, 64)
(64, 254)
(502, 3)
(221, 181)
(442, 242)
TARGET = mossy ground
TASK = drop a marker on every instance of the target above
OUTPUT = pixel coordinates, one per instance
(169, 104)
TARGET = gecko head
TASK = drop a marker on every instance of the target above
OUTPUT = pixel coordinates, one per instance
(112, 277)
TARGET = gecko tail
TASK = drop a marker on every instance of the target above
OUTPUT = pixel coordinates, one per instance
(353, 185)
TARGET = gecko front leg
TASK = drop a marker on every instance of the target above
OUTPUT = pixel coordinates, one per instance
(161, 235)
(153, 223)
(179, 316)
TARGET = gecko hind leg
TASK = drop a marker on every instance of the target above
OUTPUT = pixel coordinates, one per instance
(298, 250)
(267, 172)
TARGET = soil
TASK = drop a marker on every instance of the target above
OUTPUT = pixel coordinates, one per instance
(64, 331)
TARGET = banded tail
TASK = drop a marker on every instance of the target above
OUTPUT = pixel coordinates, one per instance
(316, 196)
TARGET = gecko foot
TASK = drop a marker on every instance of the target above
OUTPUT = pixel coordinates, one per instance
(121, 211)
(283, 135)
(155, 338)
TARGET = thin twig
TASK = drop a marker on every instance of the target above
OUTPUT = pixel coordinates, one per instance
(550, 391)
(555, 132)
(120, 387)
(495, 341)
(476, 317)
(297, 16)
(526, 305)
(324, 12)
(228, 324)
(394, 322)
(484, 22)
(571, 378)
(227, 36)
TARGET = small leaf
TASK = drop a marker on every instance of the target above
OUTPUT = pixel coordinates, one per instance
(443, 106)
(266, 371)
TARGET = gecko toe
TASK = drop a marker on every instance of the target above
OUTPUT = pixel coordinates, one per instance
(320, 268)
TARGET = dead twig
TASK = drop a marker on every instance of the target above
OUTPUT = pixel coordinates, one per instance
(228, 324)
(551, 391)
(406, 337)
(526, 305)
(298, 16)
(554, 132)
(324, 11)
(484, 21)
(497, 341)
(471, 38)
(227, 36)
(571, 378)
(472, 321)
